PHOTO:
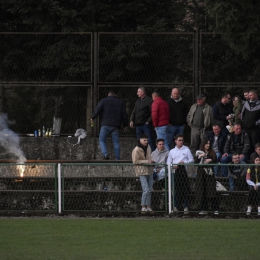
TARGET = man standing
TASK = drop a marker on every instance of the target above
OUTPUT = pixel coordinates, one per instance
(112, 113)
(236, 173)
(179, 156)
(141, 117)
(199, 119)
(160, 117)
(159, 156)
(250, 116)
(222, 111)
(217, 141)
(178, 114)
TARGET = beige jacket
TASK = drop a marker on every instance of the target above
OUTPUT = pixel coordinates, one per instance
(208, 115)
(138, 157)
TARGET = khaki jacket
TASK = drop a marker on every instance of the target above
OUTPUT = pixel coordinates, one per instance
(138, 157)
(208, 115)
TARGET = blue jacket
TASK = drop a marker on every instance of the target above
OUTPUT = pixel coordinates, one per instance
(112, 112)
(221, 140)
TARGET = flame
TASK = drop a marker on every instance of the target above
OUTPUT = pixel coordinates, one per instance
(21, 169)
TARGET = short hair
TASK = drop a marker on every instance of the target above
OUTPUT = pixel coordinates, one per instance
(238, 124)
(245, 90)
(225, 94)
(216, 124)
(253, 91)
(235, 154)
(156, 94)
(257, 145)
(142, 88)
(239, 98)
(143, 136)
(159, 140)
(177, 136)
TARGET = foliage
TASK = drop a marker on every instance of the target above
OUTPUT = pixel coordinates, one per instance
(238, 22)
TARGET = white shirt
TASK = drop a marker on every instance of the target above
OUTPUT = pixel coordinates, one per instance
(182, 154)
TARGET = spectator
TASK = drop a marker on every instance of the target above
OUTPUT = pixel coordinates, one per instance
(199, 119)
(237, 108)
(178, 114)
(159, 156)
(142, 155)
(112, 113)
(205, 186)
(222, 111)
(236, 173)
(160, 117)
(250, 116)
(141, 116)
(252, 179)
(245, 93)
(179, 156)
(237, 142)
(217, 141)
(256, 153)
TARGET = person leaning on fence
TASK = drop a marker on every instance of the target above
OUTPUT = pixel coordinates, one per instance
(205, 186)
(236, 173)
(142, 155)
(253, 181)
(177, 157)
(159, 156)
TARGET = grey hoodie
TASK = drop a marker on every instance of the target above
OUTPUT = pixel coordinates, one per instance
(160, 156)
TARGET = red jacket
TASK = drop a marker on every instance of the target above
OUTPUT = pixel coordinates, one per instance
(160, 112)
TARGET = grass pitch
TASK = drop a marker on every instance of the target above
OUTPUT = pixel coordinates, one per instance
(78, 238)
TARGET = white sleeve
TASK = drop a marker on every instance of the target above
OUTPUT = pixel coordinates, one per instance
(249, 182)
(190, 157)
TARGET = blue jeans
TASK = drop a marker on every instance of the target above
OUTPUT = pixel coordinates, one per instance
(224, 169)
(147, 187)
(161, 132)
(172, 131)
(216, 168)
(147, 130)
(105, 130)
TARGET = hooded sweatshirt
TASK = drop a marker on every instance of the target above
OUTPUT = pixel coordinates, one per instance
(182, 154)
(160, 156)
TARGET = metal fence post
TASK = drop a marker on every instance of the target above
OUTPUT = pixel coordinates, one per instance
(59, 187)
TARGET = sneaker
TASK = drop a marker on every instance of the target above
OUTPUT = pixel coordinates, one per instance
(149, 209)
(249, 209)
(203, 212)
(186, 210)
(175, 210)
(144, 209)
(106, 157)
(216, 212)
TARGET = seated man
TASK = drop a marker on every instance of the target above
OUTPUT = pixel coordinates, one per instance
(159, 155)
(217, 140)
(255, 154)
(237, 142)
(236, 173)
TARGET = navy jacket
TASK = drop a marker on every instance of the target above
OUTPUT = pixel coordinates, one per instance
(112, 112)
(221, 140)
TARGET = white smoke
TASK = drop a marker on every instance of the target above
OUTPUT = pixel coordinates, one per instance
(10, 140)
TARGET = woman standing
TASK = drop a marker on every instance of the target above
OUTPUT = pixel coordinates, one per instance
(205, 186)
(253, 181)
(142, 155)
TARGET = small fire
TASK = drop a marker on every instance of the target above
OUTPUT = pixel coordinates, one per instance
(21, 169)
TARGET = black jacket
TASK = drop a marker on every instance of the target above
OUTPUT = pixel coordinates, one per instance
(241, 146)
(112, 112)
(221, 140)
(142, 111)
(178, 111)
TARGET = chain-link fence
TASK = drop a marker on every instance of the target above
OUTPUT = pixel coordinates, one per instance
(114, 188)
(28, 188)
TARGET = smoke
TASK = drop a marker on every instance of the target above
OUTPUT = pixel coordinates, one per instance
(9, 139)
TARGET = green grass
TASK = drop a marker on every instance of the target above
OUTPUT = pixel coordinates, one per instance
(41, 238)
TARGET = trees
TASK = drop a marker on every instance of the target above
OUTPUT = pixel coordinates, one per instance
(238, 21)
